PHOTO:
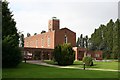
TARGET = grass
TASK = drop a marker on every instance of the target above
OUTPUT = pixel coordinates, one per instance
(99, 65)
(25, 70)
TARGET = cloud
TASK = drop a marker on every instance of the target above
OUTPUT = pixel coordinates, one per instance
(82, 17)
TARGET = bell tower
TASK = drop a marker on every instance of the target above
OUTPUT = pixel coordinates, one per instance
(53, 24)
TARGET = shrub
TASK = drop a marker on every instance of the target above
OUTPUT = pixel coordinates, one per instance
(88, 61)
(11, 56)
(64, 54)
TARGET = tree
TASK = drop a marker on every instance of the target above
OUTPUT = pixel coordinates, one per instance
(43, 31)
(92, 46)
(28, 34)
(8, 23)
(64, 54)
(86, 41)
(116, 40)
(78, 40)
(106, 38)
(109, 34)
(35, 33)
(81, 41)
(22, 40)
(11, 54)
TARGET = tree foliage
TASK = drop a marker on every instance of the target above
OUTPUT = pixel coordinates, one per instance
(105, 38)
(35, 33)
(8, 23)
(43, 31)
(22, 40)
(82, 41)
(28, 34)
(88, 61)
(11, 55)
(64, 54)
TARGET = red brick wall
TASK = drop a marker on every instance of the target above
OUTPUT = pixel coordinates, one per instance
(98, 53)
(37, 39)
(56, 37)
(79, 53)
(53, 25)
(60, 37)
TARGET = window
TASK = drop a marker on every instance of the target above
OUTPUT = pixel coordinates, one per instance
(65, 39)
(30, 43)
(89, 55)
(36, 43)
(42, 42)
(97, 55)
(48, 41)
(27, 44)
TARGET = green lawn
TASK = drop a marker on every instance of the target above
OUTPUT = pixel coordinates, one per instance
(25, 70)
(100, 65)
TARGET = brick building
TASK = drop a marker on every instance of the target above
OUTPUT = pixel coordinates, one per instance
(52, 38)
(81, 52)
(42, 45)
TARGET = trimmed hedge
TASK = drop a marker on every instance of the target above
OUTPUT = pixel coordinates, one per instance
(88, 61)
(64, 54)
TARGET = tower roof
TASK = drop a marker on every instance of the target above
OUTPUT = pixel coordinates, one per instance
(54, 18)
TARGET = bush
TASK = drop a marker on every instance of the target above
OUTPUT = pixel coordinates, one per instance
(88, 61)
(64, 54)
(11, 56)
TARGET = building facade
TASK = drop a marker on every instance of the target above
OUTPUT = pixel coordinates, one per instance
(81, 52)
(52, 38)
(42, 45)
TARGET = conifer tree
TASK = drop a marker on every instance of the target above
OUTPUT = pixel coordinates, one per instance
(11, 54)
(106, 38)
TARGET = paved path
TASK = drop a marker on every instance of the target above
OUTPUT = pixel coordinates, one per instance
(45, 64)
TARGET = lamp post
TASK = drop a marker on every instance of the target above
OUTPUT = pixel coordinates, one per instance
(25, 59)
(84, 66)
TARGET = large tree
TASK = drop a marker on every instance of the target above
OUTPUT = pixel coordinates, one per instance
(8, 23)
(105, 38)
(11, 54)
(64, 54)
(82, 42)
(78, 40)
(119, 39)
(116, 48)
(86, 41)
(21, 40)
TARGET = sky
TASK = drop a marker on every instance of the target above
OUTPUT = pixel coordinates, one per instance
(81, 16)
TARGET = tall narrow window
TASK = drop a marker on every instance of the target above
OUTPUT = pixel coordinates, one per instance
(30, 44)
(27, 44)
(65, 39)
(48, 41)
(36, 43)
(97, 55)
(42, 42)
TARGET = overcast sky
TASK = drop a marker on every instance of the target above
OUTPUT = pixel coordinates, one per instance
(81, 16)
